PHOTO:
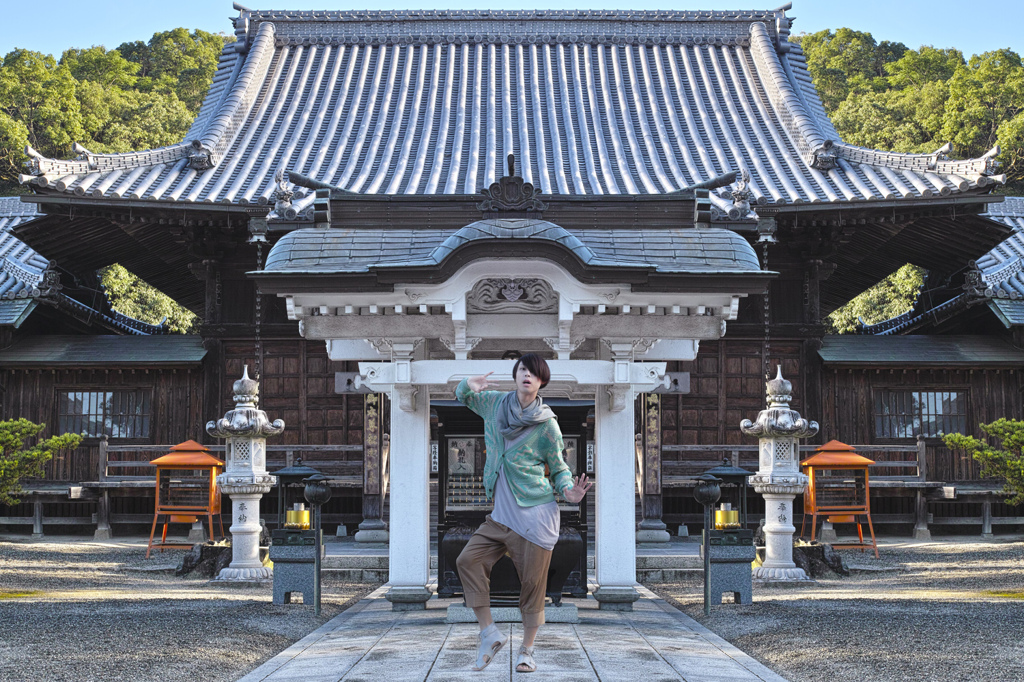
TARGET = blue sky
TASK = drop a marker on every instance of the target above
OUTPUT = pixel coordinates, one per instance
(51, 26)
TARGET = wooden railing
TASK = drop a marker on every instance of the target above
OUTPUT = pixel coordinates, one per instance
(115, 460)
(894, 464)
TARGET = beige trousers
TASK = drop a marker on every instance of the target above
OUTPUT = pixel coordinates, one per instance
(488, 544)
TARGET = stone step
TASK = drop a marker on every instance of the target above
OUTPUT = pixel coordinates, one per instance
(380, 562)
(650, 576)
(668, 561)
(354, 562)
(357, 575)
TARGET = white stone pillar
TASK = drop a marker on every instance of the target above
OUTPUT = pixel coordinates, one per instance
(245, 534)
(409, 547)
(409, 542)
(615, 482)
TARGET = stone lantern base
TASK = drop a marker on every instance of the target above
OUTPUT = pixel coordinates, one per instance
(246, 563)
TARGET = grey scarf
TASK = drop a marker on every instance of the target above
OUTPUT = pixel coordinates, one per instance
(516, 422)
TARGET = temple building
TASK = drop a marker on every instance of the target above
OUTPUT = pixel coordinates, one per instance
(373, 205)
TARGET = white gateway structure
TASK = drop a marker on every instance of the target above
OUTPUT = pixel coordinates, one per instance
(421, 308)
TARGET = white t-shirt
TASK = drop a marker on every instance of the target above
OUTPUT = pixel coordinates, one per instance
(537, 524)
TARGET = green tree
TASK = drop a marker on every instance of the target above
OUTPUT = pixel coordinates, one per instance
(178, 61)
(926, 65)
(908, 121)
(133, 297)
(892, 296)
(1005, 461)
(20, 460)
(986, 100)
(100, 65)
(118, 120)
(38, 106)
(847, 61)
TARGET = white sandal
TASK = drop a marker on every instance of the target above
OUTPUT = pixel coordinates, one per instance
(525, 662)
(491, 641)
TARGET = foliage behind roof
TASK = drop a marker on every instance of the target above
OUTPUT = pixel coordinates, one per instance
(431, 102)
(27, 279)
(998, 281)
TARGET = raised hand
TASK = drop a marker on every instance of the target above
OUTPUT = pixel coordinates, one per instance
(580, 486)
(481, 383)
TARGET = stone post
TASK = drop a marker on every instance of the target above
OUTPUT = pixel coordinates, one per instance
(778, 477)
(245, 479)
(614, 488)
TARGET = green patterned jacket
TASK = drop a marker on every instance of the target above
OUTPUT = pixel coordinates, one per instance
(524, 464)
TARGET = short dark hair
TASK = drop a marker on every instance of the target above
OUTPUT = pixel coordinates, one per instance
(537, 365)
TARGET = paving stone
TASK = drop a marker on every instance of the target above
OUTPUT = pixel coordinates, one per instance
(653, 643)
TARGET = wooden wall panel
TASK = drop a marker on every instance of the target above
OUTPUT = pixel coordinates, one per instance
(848, 396)
(32, 394)
(726, 387)
(297, 385)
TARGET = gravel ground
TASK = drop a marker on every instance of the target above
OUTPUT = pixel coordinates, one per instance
(950, 609)
(76, 609)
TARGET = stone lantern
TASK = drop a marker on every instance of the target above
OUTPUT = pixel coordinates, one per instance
(245, 479)
(778, 477)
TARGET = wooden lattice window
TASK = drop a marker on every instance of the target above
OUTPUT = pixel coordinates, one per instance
(901, 413)
(117, 414)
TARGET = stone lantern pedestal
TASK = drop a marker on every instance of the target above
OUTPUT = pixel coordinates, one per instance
(245, 479)
(778, 478)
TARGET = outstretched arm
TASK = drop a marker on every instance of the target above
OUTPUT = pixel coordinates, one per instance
(481, 383)
(474, 394)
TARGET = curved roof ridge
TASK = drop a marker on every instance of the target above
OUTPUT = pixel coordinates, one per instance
(514, 228)
(795, 65)
(221, 129)
(230, 63)
(936, 162)
(45, 171)
(802, 125)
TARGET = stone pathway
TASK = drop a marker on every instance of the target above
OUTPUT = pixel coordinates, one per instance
(654, 643)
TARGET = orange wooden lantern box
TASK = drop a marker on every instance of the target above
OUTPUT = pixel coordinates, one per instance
(186, 488)
(839, 490)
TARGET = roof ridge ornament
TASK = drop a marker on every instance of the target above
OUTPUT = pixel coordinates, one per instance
(511, 193)
(282, 197)
(824, 157)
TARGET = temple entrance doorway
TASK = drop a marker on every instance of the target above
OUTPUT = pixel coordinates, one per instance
(462, 504)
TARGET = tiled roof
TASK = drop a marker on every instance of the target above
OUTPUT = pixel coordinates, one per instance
(432, 102)
(85, 351)
(968, 351)
(684, 250)
(1002, 266)
(21, 268)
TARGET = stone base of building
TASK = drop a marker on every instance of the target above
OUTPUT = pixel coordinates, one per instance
(566, 613)
(616, 598)
(408, 598)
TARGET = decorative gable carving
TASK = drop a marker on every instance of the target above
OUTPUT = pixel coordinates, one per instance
(507, 295)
